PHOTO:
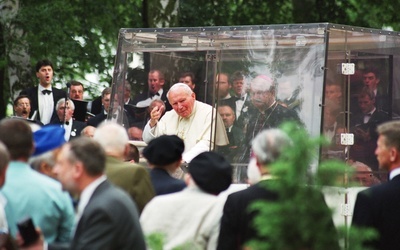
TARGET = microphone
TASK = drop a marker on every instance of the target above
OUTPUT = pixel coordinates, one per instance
(68, 89)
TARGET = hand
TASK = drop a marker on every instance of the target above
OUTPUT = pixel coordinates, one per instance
(155, 115)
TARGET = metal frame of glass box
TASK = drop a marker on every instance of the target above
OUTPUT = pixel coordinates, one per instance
(302, 59)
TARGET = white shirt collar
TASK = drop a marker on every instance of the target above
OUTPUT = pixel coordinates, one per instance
(43, 88)
(395, 172)
(88, 192)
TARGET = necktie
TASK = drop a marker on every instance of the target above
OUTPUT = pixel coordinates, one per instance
(46, 92)
(151, 94)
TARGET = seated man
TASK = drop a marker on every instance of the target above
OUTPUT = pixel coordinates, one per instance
(73, 128)
(190, 120)
(156, 90)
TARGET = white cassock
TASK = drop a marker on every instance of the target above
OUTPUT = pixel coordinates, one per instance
(197, 131)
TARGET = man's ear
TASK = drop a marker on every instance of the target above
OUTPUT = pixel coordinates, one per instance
(394, 154)
(79, 169)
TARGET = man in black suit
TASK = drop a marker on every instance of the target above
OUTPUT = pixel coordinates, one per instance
(106, 216)
(235, 134)
(156, 90)
(378, 207)
(43, 97)
(237, 226)
(363, 125)
(116, 112)
(73, 128)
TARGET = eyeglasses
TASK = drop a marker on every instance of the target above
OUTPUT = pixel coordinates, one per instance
(23, 104)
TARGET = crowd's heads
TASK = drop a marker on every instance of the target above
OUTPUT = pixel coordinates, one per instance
(182, 99)
(48, 138)
(112, 137)
(22, 106)
(269, 144)
(76, 90)
(17, 136)
(164, 150)
(211, 172)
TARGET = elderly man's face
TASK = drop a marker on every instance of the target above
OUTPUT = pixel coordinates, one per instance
(261, 99)
(68, 112)
(182, 102)
(23, 108)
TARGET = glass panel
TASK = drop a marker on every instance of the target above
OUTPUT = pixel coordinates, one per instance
(254, 77)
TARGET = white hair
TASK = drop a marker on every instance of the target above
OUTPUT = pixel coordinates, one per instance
(112, 137)
(269, 144)
(62, 101)
(182, 86)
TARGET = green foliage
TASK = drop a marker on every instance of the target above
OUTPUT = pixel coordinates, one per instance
(155, 241)
(299, 219)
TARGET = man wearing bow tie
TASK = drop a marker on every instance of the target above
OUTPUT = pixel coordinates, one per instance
(43, 97)
(72, 127)
(156, 81)
(363, 125)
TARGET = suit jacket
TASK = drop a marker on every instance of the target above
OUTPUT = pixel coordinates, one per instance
(132, 178)
(164, 183)
(109, 221)
(378, 207)
(236, 222)
(77, 127)
(32, 93)
(363, 149)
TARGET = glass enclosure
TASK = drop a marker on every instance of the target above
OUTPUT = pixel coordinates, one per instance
(335, 80)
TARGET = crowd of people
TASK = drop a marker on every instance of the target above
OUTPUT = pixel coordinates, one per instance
(78, 177)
